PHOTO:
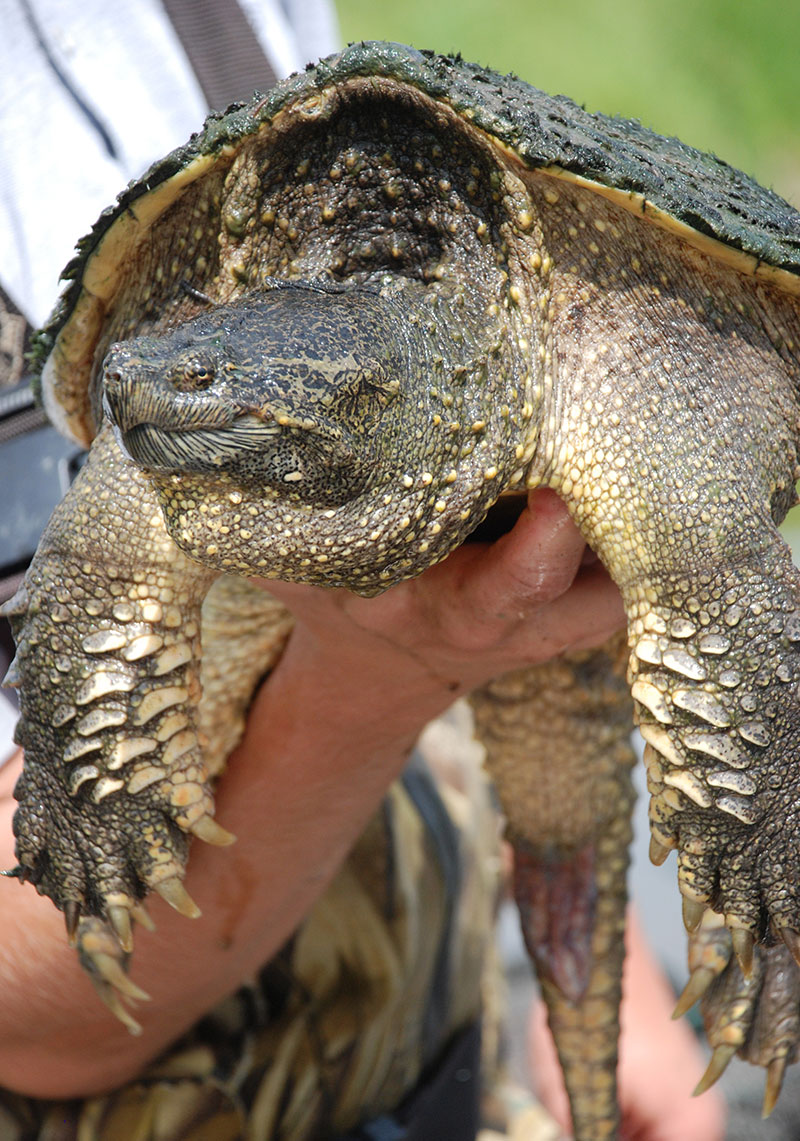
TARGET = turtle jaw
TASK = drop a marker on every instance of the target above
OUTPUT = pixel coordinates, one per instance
(204, 449)
(162, 429)
(241, 424)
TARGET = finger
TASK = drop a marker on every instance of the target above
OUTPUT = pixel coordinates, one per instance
(502, 583)
(582, 618)
(534, 563)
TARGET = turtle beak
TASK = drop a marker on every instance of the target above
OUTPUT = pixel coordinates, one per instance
(135, 392)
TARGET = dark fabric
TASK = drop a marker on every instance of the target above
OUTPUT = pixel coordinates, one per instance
(222, 48)
(445, 1104)
(420, 786)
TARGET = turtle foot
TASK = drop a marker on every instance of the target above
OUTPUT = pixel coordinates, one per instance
(716, 702)
(98, 861)
(753, 1012)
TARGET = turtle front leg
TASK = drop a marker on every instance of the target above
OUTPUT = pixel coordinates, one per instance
(677, 463)
(107, 624)
(558, 747)
(714, 683)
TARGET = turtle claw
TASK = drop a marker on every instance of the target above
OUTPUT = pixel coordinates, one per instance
(658, 852)
(750, 996)
(716, 1067)
(140, 913)
(791, 938)
(207, 829)
(693, 912)
(120, 919)
(109, 997)
(743, 944)
(699, 982)
(112, 973)
(175, 894)
(72, 914)
(105, 962)
(772, 1089)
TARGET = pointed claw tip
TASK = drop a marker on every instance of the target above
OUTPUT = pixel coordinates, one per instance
(207, 829)
(111, 999)
(772, 1089)
(699, 982)
(120, 919)
(658, 852)
(693, 913)
(792, 940)
(715, 1069)
(743, 944)
(140, 913)
(175, 894)
(72, 914)
(111, 972)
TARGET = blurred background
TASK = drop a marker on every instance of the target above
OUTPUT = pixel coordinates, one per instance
(722, 75)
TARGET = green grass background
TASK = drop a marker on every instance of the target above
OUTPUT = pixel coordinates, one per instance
(720, 74)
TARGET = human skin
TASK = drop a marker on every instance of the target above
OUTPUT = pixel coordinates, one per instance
(298, 790)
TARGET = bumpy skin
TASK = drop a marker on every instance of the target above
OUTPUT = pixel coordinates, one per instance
(413, 286)
(116, 698)
(554, 736)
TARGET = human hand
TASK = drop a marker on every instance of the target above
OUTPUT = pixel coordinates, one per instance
(325, 736)
(660, 1061)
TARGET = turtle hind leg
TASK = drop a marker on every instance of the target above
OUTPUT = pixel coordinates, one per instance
(558, 748)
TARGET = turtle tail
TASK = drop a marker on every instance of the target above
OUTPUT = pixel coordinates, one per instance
(558, 747)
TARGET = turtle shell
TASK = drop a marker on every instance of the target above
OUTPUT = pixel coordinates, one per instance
(178, 226)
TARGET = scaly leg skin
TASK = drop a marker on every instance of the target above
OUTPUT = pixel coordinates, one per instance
(675, 446)
(245, 630)
(558, 747)
(749, 1007)
(107, 624)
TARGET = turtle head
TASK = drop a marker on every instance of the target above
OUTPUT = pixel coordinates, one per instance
(278, 391)
(345, 422)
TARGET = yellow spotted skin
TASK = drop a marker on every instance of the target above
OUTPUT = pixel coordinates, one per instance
(330, 334)
(675, 447)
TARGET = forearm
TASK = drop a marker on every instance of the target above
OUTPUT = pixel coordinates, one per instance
(326, 735)
(297, 793)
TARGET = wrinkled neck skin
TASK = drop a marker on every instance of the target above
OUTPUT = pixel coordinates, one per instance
(332, 435)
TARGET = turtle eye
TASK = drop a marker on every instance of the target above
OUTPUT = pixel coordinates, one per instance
(193, 374)
(198, 373)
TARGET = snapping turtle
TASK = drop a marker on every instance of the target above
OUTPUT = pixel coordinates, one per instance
(320, 342)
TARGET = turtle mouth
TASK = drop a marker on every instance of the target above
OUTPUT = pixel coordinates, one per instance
(196, 449)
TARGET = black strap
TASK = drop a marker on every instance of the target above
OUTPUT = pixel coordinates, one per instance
(444, 838)
(222, 48)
